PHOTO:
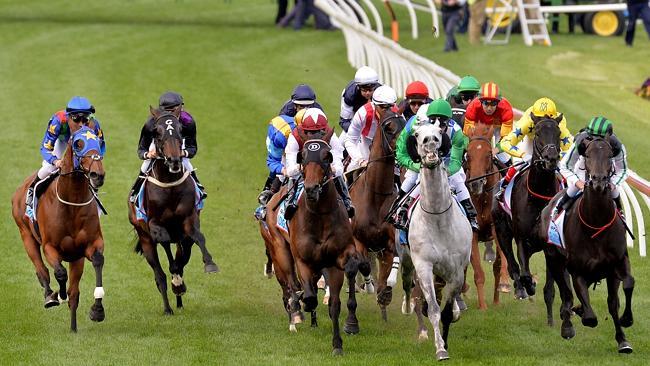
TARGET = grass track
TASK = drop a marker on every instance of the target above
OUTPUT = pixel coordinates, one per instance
(235, 70)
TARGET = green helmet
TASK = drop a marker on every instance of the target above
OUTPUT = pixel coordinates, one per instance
(469, 83)
(600, 126)
(439, 107)
(453, 92)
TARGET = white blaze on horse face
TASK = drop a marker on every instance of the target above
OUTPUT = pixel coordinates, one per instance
(169, 128)
(99, 293)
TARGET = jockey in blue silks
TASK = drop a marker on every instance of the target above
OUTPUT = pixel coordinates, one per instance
(78, 112)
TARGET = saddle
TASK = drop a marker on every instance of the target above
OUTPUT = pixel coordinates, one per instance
(39, 189)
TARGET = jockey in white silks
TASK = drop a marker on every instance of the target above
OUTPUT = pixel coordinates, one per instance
(364, 125)
(314, 126)
(572, 165)
(355, 95)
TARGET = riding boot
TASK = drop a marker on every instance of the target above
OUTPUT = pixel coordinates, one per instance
(136, 188)
(342, 188)
(401, 216)
(471, 213)
(292, 205)
(619, 206)
(204, 195)
(29, 199)
(563, 203)
(502, 189)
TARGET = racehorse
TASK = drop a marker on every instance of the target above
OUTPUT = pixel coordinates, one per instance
(439, 235)
(67, 224)
(320, 237)
(532, 190)
(373, 194)
(480, 168)
(169, 203)
(594, 246)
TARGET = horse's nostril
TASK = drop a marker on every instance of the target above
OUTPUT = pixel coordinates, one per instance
(93, 175)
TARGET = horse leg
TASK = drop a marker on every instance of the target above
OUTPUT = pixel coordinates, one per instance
(309, 298)
(183, 254)
(504, 237)
(42, 274)
(524, 260)
(425, 274)
(151, 255)
(500, 270)
(336, 282)
(556, 265)
(408, 281)
(97, 310)
(549, 295)
(628, 287)
(385, 291)
(268, 267)
(419, 297)
(582, 292)
(613, 304)
(351, 268)
(479, 275)
(192, 226)
(54, 259)
(76, 270)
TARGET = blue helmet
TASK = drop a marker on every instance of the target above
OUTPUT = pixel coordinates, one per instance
(303, 94)
(79, 104)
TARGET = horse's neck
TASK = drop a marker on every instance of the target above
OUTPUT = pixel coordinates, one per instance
(434, 189)
(381, 166)
(597, 208)
(327, 201)
(542, 181)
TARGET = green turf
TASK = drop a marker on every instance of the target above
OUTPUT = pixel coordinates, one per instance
(235, 70)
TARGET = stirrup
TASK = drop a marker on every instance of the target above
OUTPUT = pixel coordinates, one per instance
(500, 194)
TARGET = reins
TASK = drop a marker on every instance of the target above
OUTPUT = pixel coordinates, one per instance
(598, 229)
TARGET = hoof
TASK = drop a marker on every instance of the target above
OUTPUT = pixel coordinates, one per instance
(462, 306)
(350, 328)
(268, 271)
(292, 328)
(407, 309)
(297, 318)
(321, 283)
(568, 332)
(520, 294)
(179, 290)
(337, 352)
(169, 312)
(550, 322)
(626, 321)
(211, 268)
(49, 302)
(369, 288)
(624, 347)
(326, 300)
(490, 255)
(385, 296)
(442, 355)
(97, 313)
(423, 335)
(504, 288)
(590, 322)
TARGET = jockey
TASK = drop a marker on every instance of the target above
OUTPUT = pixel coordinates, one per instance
(490, 108)
(572, 165)
(303, 96)
(460, 96)
(279, 130)
(452, 150)
(78, 112)
(314, 125)
(417, 94)
(512, 145)
(356, 94)
(146, 150)
(364, 125)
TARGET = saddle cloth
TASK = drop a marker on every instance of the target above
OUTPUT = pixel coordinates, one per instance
(556, 231)
(281, 222)
(140, 212)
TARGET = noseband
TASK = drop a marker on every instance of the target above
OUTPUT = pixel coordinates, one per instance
(169, 125)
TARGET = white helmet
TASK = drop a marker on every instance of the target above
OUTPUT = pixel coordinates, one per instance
(366, 75)
(384, 95)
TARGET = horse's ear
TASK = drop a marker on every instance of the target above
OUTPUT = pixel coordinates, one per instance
(154, 112)
(559, 118)
(302, 134)
(582, 148)
(329, 158)
(534, 118)
(328, 136)
(176, 112)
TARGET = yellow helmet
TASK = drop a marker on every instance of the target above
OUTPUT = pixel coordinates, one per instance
(299, 116)
(544, 107)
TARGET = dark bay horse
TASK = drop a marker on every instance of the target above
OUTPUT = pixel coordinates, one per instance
(67, 224)
(373, 194)
(532, 190)
(594, 247)
(479, 163)
(320, 237)
(170, 207)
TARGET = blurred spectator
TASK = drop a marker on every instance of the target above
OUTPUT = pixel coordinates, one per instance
(464, 23)
(555, 18)
(282, 10)
(636, 9)
(452, 13)
(476, 20)
(301, 12)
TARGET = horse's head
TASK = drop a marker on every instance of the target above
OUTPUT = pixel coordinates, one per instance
(390, 127)
(167, 137)
(316, 166)
(86, 155)
(429, 139)
(478, 160)
(598, 163)
(546, 144)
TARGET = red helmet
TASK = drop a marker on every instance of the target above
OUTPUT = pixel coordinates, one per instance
(313, 120)
(490, 91)
(417, 88)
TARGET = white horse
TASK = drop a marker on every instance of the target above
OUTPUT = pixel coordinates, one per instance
(439, 235)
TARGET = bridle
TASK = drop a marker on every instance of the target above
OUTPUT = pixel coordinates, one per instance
(170, 124)
(316, 145)
(538, 152)
(385, 139)
(78, 168)
(488, 171)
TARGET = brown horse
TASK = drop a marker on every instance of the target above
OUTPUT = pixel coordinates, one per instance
(67, 224)
(171, 212)
(594, 247)
(373, 194)
(320, 237)
(479, 163)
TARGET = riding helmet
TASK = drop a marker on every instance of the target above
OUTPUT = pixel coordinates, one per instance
(469, 84)
(303, 94)
(170, 99)
(600, 126)
(544, 107)
(79, 104)
(439, 107)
